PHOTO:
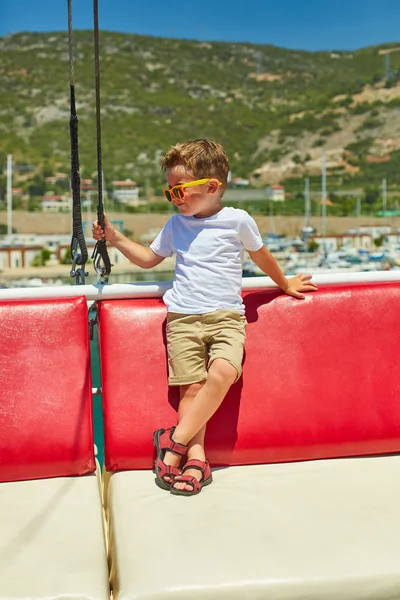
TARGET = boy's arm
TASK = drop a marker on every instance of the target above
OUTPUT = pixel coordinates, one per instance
(292, 286)
(267, 263)
(136, 253)
(140, 255)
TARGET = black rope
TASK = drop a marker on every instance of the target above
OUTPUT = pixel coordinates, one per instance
(79, 251)
(100, 256)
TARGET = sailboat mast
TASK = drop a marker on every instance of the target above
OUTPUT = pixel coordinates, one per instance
(307, 202)
(9, 194)
(384, 191)
(323, 230)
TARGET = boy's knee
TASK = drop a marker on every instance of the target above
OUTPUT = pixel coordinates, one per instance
(222, 372)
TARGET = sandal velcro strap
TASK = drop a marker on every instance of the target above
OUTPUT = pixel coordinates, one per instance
(196, 464)
(191, 480)
(188, 479)
(167, 443)
(163, 441)
(164, 469)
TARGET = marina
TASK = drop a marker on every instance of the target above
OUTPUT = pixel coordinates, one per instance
(351, 252)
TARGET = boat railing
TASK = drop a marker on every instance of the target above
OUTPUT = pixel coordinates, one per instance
(156, 289)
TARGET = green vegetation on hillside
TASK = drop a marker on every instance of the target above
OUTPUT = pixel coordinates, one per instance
(156, 92)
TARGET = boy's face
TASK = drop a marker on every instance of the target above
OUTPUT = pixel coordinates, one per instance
(202, 200)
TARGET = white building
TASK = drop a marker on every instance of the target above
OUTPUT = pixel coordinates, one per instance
(44, 240)
(126, 192)
(276, 193)
(239, 182)
(19, 249)
(14, 257)
(54, 203)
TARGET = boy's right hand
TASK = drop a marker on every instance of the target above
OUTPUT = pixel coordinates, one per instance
(108, 233)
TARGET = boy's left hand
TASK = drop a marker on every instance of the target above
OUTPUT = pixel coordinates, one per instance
(300, 283)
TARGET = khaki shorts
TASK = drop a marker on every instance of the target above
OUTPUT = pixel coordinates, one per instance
(195, 341)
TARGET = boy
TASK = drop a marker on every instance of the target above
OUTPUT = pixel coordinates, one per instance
(205, 319)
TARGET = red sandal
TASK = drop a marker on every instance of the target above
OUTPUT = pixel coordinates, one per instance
(163, 441)
(197, 486)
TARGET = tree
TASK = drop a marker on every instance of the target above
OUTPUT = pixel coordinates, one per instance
(371, 195)
(41, 258)
(47, 170)
(67, 258)
(3, 229)
(37, 187)
(33, 205)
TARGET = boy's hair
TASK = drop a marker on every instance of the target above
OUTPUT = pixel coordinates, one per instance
(204, 158)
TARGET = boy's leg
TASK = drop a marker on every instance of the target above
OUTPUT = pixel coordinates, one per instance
(196, 446)
(191, 427)
(221, 376)
(187, 396)
(224, 333)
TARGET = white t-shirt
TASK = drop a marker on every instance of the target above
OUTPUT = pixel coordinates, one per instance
(209, 259)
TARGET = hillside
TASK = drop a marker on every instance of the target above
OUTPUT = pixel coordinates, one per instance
(273, 109)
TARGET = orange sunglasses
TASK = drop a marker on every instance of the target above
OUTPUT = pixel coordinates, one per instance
(178, 191)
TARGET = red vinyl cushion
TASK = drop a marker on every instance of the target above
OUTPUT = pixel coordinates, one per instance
(45, 390)
(321, 379)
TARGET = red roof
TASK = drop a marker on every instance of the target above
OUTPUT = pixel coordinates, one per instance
(378, 159)
(276, 187)
(126, 183)
(53, 197)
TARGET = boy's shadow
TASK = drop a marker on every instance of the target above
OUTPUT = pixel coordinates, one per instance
(222, 429)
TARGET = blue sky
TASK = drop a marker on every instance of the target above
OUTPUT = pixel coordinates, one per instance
(304, 24)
